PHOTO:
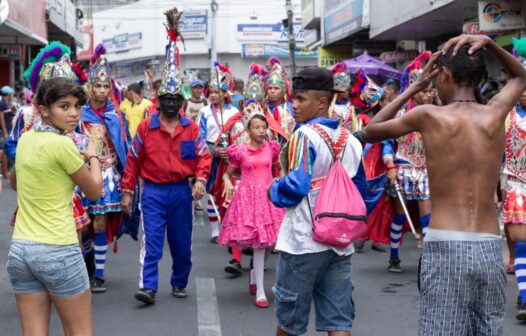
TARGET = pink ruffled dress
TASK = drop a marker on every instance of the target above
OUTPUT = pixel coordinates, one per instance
(251, 219)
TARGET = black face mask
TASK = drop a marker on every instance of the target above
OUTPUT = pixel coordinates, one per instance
(170, 106)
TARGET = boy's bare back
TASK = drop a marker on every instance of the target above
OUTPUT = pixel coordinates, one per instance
(464, 144)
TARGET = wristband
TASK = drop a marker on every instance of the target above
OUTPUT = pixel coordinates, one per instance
(127, 192)
(94, 156)
(358, 135)
(203, 181)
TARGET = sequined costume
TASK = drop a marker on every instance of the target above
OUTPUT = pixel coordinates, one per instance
(513, 180)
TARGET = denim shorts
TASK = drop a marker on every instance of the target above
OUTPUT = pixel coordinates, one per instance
(58, 270)
(324, 277)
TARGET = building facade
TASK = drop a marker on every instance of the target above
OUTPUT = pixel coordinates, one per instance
(241, 33)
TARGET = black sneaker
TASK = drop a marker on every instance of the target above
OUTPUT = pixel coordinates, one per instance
(234, 267)
(179, 292)
(521, 314)
(394, 266)
(378, 248)
(90, 265)
(213, 240)
(145, 295)
(98, 286)
(358, 245)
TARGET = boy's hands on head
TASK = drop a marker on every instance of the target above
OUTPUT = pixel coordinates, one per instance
(476, 41)
(428, 74)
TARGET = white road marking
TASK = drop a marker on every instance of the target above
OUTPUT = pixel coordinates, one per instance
(207, 311)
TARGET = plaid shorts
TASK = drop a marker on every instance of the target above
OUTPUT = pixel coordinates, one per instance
(462, 288)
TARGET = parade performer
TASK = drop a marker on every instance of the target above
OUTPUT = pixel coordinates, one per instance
(513, 184)
(407, 165)
(279, 114)
(308, 270)
(102, 119)
(167, 196)
(52, 61)
(368, 97)
(342, 109)
(212, 124)
(251, 220)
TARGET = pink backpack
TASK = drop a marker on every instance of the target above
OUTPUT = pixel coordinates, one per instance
(339, 213)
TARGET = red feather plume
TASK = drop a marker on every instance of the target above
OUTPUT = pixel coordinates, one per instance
(340, 67)
(80, 72)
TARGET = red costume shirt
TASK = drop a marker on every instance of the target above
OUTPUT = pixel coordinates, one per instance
(159, 157)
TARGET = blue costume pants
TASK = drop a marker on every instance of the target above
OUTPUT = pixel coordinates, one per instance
(166, 208)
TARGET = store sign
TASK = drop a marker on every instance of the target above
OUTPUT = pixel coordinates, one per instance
(267, 50)
(473, 28)
(123, 42)
(344, 17)
(328, 57)
(398, 56)
(11, 52)
(268, 32)
(499, 15)
(194, 24)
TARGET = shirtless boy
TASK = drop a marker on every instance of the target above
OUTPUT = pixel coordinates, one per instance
(462, 274)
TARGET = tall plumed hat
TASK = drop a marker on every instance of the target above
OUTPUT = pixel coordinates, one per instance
(365, 94)
(414, 70)
(52, 61)
(519, 49)
(254, 95)
(100, 71)
(171, 81)
(342, 77)
(255, 87)
(221, 77)
(278, 76)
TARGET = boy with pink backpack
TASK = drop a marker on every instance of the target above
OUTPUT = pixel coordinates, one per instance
(325, 212)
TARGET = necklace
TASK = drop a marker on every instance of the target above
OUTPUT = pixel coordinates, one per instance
(463, 101)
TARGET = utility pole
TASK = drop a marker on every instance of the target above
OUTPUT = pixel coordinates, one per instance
(292, 37)
(213, 51)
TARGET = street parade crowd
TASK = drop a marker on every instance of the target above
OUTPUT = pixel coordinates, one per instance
(310, 167)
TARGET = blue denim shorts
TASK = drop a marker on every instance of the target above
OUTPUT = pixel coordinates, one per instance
(58, 270)
(324, 277)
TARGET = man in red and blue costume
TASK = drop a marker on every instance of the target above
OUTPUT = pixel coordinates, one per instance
(167, 151)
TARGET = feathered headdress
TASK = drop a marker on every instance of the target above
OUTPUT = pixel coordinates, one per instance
(100, 71)
(254, 95)
(222, 77)
(81, 73)
(171, 82)
(342, 78)
(99, 51)
(519, 49)
(278, 75)
(52, 61)
(365, 94)
(414, 70)
(255, 88)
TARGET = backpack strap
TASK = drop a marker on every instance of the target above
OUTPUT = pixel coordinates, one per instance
(336, 147)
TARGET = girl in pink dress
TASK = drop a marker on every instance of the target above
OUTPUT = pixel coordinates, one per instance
(251, 219)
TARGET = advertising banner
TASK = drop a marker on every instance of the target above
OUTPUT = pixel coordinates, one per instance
(123, 42)
(268, 32)
(267, 50)
(194, 24)
(499, 15)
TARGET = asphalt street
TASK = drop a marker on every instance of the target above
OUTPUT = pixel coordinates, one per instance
(386, 303)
